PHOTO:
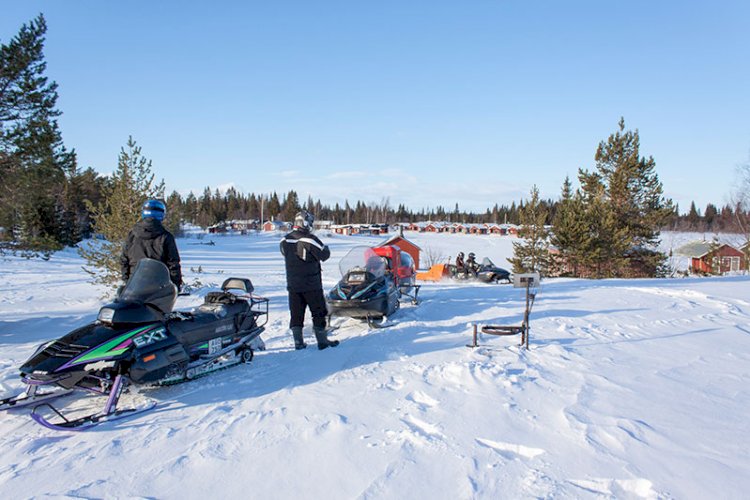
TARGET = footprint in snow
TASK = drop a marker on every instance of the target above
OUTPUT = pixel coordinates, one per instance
(423, 400)
(429, 432)
(509, 450)
(395, 383)
(618, 488)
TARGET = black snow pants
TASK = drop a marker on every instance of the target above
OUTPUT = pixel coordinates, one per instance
(315, 300)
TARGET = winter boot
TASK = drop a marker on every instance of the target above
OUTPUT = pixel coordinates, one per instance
(322, 338)
(299, 340)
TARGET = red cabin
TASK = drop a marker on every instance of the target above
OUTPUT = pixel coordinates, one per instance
(405, 245)
(725, 258)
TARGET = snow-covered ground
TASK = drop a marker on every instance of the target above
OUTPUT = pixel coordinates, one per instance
(631, 389)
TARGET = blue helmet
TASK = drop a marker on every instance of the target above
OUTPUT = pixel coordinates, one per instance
(155, 209)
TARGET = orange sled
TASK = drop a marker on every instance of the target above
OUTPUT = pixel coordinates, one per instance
(436, 273)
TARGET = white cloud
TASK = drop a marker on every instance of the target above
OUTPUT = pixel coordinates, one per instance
(352, 174)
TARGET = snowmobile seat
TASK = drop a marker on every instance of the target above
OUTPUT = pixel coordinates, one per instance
(223, 304)
(242, 284)
(222, 314)
(201, 327)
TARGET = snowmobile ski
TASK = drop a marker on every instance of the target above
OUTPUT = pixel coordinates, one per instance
(87, 422)
(109, 413)
(31, 396)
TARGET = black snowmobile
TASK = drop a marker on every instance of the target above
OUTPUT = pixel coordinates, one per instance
(139, 339)
(486, 272)
(366, 290)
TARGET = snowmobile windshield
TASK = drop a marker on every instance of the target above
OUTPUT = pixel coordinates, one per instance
(406, 260)
(363, 258)
(150, 284)
(486, 262)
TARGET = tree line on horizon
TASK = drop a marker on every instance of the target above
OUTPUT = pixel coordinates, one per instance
(48, 202)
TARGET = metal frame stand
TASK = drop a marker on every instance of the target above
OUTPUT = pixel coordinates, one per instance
(527, 281)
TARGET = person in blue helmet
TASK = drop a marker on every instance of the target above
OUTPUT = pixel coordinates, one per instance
(149, 239)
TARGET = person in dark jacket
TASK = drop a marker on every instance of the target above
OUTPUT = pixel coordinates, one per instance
(460, 266)
(471, 265)
(149, 239)
(303, 252)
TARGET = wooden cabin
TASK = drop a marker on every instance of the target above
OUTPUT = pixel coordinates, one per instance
(405, 245)
(723, 259)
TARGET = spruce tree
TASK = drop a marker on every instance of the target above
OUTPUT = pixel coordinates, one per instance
(131, 185)
(532, 253)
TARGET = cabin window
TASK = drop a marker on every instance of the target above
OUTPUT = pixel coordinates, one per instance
(730, 263)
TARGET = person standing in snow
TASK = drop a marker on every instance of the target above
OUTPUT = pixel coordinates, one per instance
(303, 252)
(149, 239)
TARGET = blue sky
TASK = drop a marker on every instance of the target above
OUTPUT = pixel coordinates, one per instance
(423, 103)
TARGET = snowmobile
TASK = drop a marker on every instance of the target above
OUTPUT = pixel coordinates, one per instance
(400, 266)
(373, 281)
(487, 272)
(138, 339)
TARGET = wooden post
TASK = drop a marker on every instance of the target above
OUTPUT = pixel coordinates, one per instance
(525, 335)
(474, 337)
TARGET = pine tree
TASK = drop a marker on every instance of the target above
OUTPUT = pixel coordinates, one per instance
(174, 219)
(33, 160)
(612, 227)
(132, 184)
(568, 232)
(273, 207)
(710, 216)
(693, 217)
(532, 254)
(634, 193)
(290, 207)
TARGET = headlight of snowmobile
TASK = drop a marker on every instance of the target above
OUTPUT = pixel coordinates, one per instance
(106, 315)
(43, 347)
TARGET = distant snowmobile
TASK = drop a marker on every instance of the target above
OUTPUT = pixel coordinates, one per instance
(487, 272)
(373, 282)
(139, 339)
